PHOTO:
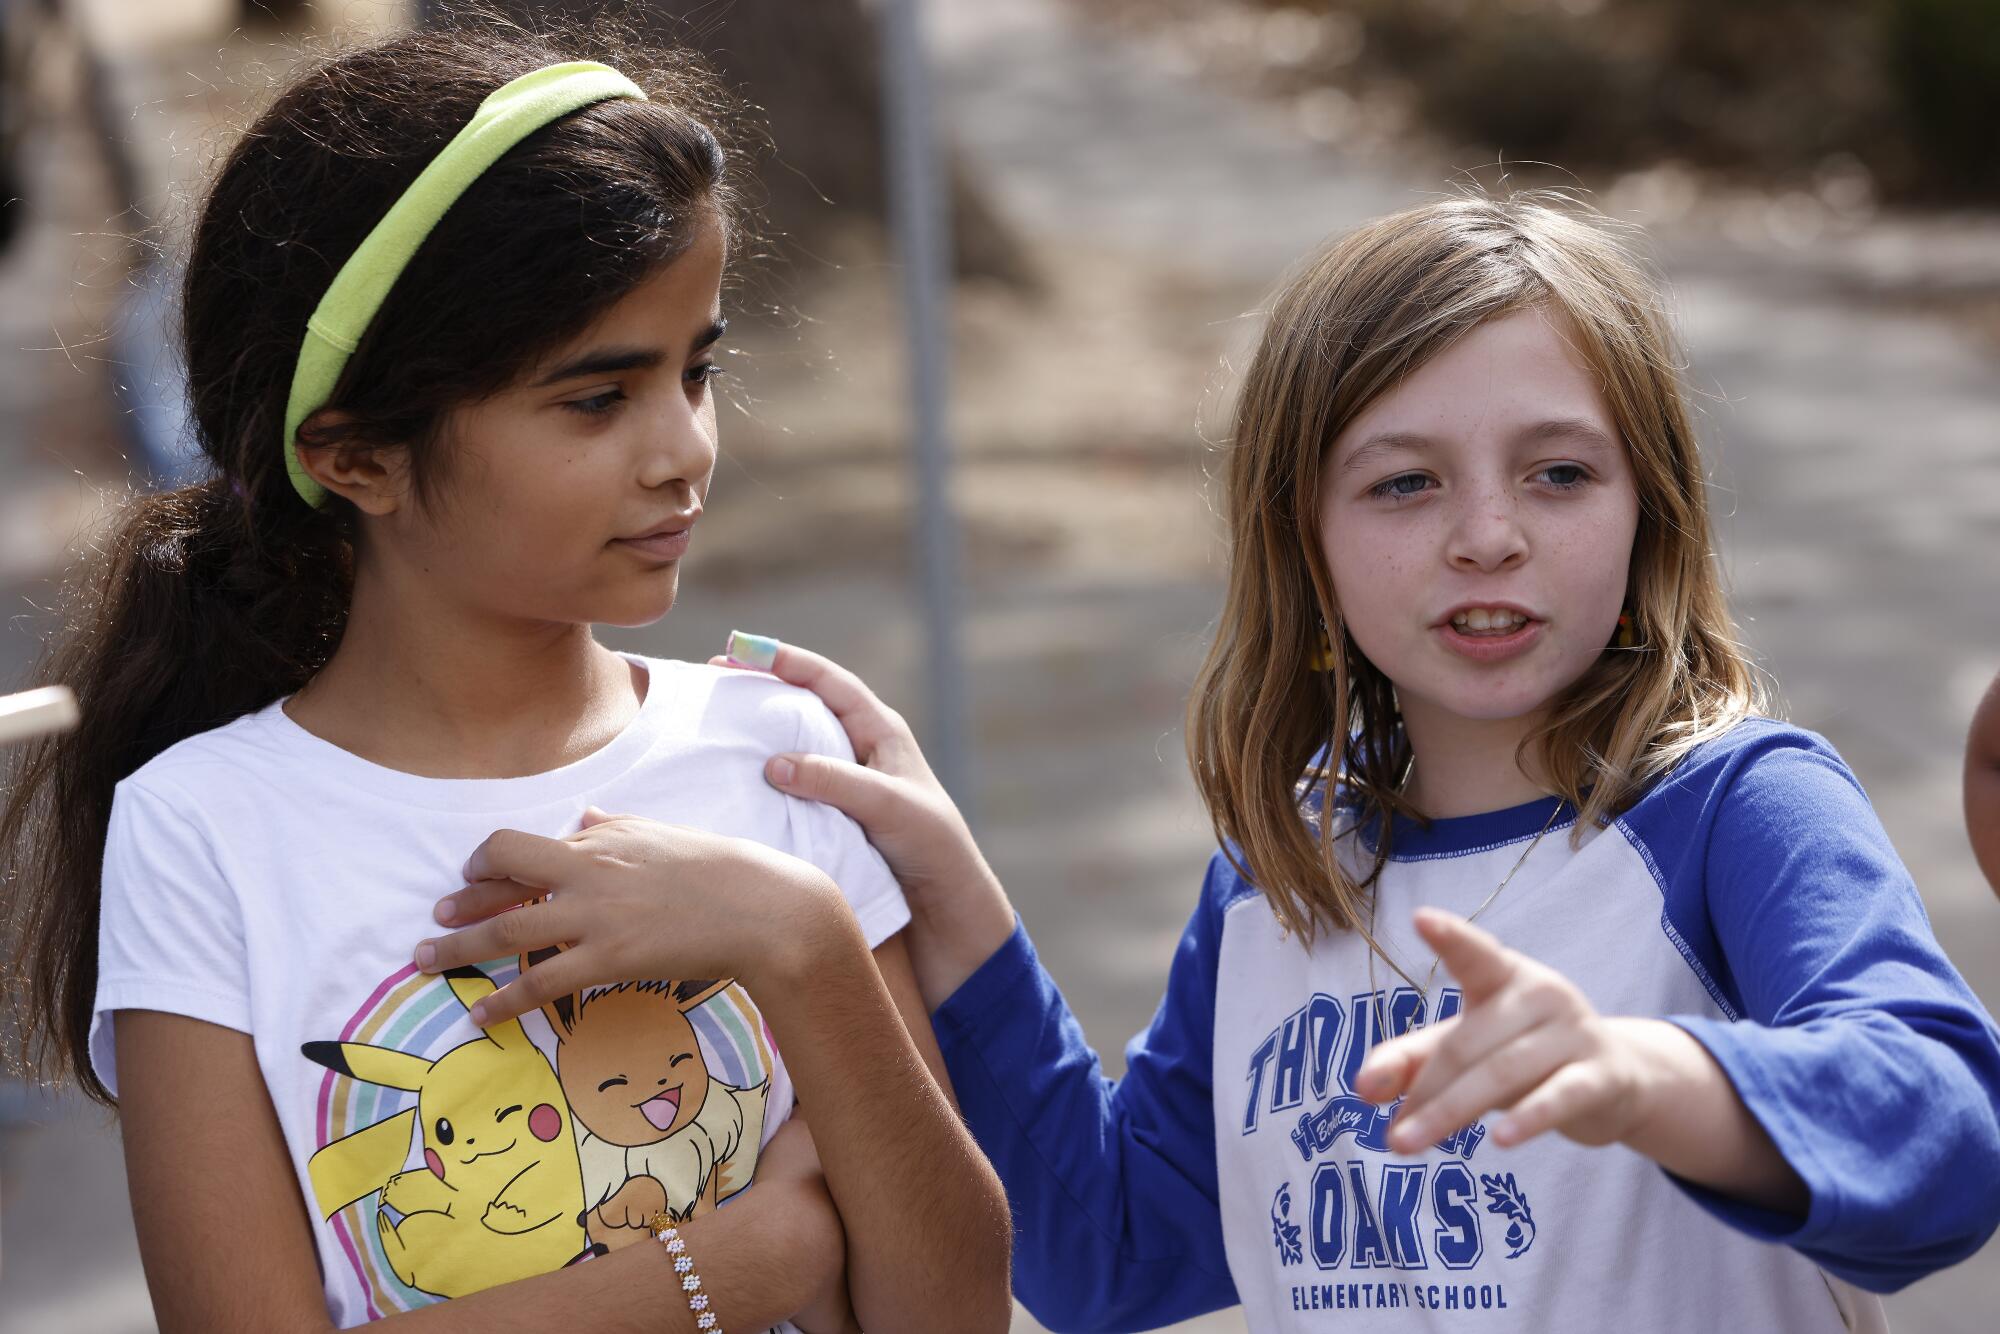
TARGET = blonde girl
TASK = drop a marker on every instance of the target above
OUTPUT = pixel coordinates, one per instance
(1509, 847)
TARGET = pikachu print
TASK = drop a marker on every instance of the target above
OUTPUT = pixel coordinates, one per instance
(520, 1154)
(499, 1194)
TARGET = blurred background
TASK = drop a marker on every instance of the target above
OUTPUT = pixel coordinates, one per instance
(1820, 179)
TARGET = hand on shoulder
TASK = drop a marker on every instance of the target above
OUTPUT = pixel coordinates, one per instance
(959, 912)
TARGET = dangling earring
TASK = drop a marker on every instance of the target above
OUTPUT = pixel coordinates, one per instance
(1627, 636)
(1322, 657)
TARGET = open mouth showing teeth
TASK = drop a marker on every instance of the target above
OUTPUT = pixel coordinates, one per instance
(1480, 621)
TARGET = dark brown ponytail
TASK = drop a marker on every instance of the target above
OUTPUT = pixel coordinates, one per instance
(212, 601)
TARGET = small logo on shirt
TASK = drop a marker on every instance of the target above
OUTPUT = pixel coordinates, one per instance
(1283, 1230)
(1508, 1200)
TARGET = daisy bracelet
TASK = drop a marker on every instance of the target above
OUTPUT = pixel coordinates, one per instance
(664, 1232)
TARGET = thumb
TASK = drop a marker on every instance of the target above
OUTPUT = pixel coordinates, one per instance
(593, 815)
(863, 793)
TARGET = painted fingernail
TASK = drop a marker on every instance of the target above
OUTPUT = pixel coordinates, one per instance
(756, 652)
(782, 771)
(427, 956)
(446, 912)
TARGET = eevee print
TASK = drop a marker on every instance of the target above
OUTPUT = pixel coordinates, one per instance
(656, 1131)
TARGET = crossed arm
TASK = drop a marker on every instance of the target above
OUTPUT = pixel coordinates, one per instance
(928, 1238)
(227, 1241)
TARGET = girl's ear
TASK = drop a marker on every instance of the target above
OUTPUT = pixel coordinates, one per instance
(373, 478)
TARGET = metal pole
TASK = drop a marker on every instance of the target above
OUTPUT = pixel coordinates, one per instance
(919, 208)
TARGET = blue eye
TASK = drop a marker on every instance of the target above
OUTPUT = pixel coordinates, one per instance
(1401, 487)
(597, 404)
(1566, 476)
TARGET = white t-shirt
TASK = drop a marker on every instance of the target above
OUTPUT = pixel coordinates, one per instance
(260, 878)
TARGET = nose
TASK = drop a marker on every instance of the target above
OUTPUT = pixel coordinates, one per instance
(1486, 533)
(678, 447)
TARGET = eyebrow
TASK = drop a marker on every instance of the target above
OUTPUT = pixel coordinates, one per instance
(609, 360)
(1573, 429)
(1383, 443)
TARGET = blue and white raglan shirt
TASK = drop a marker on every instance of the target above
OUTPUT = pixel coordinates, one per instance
(1751, 897)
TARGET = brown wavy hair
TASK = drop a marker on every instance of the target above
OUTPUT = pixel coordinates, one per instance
(1278, 744)
(213, 600)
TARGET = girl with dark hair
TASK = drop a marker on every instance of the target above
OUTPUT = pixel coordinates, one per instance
(450, 321)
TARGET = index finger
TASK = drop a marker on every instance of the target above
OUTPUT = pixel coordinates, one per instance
(1394, 1065)
(513, 854)
(1480, 962)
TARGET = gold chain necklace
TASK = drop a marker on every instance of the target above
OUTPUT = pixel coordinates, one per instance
(1374, 901)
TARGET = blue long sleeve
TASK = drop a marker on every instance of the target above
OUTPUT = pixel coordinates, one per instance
(1117, 1225)
(1855, 1045)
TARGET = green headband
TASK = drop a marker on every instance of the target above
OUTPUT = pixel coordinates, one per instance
(509, 114)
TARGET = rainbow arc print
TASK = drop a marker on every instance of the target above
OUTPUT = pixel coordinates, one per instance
(449, 1161)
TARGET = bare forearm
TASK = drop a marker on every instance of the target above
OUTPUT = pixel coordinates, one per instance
(1698, 1128)
(954, 929)
(926, 1220)
(760, 1260)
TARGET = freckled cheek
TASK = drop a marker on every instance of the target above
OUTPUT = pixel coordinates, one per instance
(1376, 629)
(1593, 556)
(1370, 573)
(1350, 550)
